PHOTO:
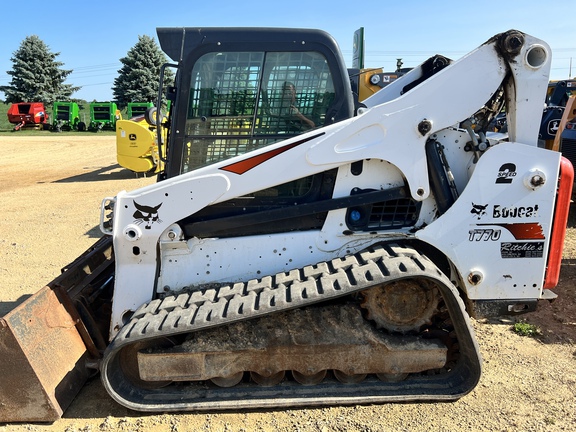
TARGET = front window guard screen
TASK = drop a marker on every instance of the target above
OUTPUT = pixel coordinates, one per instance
(242, 101)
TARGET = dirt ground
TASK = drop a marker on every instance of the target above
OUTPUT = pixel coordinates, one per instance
(50, 192)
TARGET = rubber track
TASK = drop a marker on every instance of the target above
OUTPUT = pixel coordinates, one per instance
(189, 312)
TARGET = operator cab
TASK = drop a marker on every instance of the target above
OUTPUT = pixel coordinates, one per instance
(241, 89)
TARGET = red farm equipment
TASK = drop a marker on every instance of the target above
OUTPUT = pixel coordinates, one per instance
(28, 114)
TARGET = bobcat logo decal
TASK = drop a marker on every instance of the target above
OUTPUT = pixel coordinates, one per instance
(146, 214)
(478, 210)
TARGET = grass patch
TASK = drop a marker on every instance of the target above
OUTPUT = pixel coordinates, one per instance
(522, 328)
(5, 125)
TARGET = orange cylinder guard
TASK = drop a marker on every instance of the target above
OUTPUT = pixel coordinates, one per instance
(559, 225)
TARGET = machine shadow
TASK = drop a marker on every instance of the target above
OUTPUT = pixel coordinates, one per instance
(111, 172)
(94, 232)
(556, 321)
(7, 306)
(572, 215)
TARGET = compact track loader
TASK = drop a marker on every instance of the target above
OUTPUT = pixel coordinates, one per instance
(302, 249)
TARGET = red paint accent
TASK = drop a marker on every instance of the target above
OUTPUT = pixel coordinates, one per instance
(247, 164)
(522, 230)
(559, 224)
(525, 231)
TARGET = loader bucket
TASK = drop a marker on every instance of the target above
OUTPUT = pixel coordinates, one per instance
(45, 343)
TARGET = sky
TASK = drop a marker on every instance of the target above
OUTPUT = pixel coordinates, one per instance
(92, 37)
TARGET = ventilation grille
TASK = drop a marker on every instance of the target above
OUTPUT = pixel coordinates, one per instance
(391, 214)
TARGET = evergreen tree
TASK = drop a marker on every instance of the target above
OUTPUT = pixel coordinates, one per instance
(36, 75)
(138, 79)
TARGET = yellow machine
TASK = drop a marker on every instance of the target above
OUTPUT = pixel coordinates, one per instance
(136, 144)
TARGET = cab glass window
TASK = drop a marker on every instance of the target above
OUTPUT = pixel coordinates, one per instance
(242, 101)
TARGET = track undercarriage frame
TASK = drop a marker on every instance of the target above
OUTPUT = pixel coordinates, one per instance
(179, 377)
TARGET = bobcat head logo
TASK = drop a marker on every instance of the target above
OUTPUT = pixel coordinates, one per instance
(146, 214)
(478, 210)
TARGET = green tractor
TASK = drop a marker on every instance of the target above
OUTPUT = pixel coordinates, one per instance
(136, 109)
(65, 116)
(103, 115)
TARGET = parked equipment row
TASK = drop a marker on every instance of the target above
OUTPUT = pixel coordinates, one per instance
(66, 115)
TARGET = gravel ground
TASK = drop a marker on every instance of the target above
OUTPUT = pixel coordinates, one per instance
(51, 187)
